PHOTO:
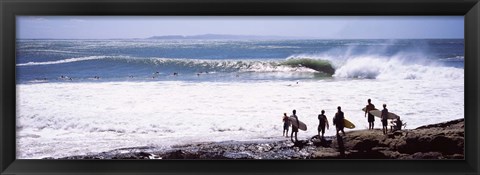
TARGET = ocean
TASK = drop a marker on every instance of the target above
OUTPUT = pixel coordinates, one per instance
(77, 97)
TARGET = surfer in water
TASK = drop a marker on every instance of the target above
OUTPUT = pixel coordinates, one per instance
(322, 121)
(338, 120)
(286, 125)
(371, 118)
(294, 128)
(384, 118)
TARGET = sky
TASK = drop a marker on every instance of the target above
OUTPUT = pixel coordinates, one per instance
(315, 27)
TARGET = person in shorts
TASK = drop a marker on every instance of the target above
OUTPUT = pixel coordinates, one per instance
(371, 118)
(286, 125)
(294, 128)
(384, 118)
(338, 120)
(322, 122)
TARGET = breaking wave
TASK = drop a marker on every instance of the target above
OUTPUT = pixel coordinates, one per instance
(370, 67)
(69, 60)
(250, 65)
(356, 66)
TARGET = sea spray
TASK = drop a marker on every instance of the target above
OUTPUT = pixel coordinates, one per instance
(370, 67)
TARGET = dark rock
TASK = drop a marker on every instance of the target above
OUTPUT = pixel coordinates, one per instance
(445, 145)
(439, 141)
(366, 155)
(427, 155)
(143, 155)
(240, 155)
(443, 125)
(365, 145)
(300, 144)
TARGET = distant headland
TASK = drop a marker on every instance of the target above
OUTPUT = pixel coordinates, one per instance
(221, 37)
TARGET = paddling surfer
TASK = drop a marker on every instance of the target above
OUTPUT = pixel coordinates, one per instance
(371, 118)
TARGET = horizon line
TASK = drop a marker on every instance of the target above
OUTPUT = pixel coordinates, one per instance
(266, 37)
(148, 38)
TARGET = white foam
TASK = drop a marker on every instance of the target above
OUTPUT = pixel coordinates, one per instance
(63, 119)
(68, 60)
(393, 69)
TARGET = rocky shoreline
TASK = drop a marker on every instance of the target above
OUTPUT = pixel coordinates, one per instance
(437, 141)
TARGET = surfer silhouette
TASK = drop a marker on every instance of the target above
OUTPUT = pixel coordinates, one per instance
(396, 125)
(338, 120)
(286, 125)
(384, 118)
(322, 121)
(371, 118)
(294, 127)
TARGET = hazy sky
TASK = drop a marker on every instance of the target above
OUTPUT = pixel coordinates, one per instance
(369, 27)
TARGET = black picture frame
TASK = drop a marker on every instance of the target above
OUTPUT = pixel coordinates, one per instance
(470, 9)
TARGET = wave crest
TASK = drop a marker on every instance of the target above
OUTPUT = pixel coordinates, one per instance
(318, 65)
(69, 60)
(361, 67)
(394, 68)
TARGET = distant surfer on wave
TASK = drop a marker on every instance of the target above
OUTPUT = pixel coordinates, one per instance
(294, 127)
(286, 125)
(322, 121)
(338, 120)
(371, 118)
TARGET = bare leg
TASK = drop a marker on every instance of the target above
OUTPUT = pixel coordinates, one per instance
(291, 137)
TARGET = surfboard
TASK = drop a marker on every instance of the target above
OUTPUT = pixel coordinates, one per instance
(378, 113)
(302, 126)
(348, 124)
(363, 109)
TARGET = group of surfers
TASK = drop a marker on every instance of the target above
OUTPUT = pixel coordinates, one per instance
(338, 121)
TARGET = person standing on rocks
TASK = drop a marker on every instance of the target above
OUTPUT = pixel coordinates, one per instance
(295, 128)
(322, 119)
(338, 120)
(384, 118)
(371, 118)
(286, 125)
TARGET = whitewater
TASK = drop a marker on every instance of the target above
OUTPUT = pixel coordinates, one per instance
(238, 99)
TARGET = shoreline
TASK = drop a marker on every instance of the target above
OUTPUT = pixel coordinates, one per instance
(435, 141)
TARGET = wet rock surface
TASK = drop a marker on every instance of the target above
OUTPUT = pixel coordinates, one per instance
(438, 141)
